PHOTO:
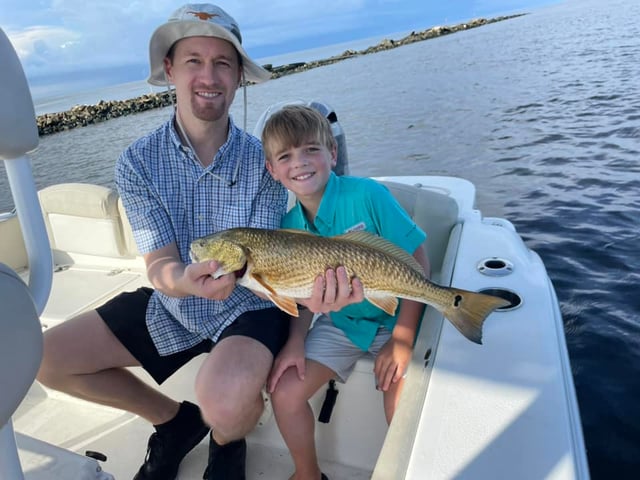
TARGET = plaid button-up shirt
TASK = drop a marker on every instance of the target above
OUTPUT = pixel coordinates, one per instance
(169, 197)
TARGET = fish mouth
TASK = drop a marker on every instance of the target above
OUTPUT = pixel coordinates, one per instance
(236, 273)
(240, 273)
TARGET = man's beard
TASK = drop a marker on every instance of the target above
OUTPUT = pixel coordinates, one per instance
(208, 113)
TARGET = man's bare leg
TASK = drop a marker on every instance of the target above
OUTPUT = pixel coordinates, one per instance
(83, 358)
(229, 385)
(228, 388)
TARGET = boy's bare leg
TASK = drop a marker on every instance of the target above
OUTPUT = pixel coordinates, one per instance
(295, 417)
(391, 398)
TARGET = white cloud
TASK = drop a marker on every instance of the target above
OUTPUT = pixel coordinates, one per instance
(37, 46)
(79, 34)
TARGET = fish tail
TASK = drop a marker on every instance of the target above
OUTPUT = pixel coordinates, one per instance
(469, 311)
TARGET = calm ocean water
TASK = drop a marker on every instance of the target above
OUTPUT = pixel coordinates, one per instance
(542, 113)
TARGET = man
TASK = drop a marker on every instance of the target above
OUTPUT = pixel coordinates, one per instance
(195, 175)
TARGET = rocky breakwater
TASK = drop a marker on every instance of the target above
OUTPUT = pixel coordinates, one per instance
(83, 115)
(387, 44)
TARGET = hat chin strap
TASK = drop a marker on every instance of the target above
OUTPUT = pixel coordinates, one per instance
(243, 83)
(168, 85)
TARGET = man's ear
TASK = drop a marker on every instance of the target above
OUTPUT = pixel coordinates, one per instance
(167, 69)
(241, 77)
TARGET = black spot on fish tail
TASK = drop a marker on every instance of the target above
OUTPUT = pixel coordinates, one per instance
(457, 300)
(469, 312)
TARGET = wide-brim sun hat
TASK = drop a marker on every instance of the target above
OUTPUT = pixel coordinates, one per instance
(196, 20)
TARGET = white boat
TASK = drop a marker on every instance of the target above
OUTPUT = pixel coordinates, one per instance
(506, 409)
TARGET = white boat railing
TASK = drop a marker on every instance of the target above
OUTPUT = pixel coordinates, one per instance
(19, 135)
(25, 198)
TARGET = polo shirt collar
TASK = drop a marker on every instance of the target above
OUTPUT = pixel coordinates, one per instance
(327, 210)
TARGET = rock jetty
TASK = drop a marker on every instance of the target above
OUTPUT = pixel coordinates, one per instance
(83, 115)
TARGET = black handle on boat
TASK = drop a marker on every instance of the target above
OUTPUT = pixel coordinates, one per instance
(329, 403)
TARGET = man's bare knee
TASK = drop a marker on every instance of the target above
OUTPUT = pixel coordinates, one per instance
(232, 420)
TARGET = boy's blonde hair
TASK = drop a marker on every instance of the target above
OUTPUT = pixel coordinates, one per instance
(293, 126)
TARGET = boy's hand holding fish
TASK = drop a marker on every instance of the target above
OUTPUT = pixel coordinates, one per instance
(333, 291)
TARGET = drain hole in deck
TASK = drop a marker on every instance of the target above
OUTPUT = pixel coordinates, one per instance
(513, 298)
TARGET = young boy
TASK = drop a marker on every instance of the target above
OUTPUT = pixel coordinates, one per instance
(300, 151)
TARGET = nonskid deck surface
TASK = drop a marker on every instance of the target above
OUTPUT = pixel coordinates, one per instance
(81, 426)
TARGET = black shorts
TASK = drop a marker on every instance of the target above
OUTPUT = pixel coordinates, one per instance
(125, 316)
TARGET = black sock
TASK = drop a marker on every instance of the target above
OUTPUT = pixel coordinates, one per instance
(188, 417)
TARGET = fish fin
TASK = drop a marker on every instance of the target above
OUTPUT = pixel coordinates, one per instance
(469, 311)
(371, 240)
(258, 278)
(286, 304)
(297, 232)
(388, 304)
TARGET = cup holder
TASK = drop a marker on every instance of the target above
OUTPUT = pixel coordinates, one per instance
(513, 298)
(495, 267)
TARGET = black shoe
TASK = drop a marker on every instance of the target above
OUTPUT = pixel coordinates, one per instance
(226, 462)
(171, 442)
(323, 477)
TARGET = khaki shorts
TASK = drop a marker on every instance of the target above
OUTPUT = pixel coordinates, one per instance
(328, 345)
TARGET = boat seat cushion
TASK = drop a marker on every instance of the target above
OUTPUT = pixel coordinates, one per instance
(129, 240)
(434, 212)
(90, 219)
(83, 218)
(20, 342)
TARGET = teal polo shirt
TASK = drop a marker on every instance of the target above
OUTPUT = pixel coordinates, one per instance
(354, 204)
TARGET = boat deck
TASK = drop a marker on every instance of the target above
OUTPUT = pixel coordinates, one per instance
(48, 418)
(506, 409)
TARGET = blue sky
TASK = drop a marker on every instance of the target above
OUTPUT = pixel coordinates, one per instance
(58, 37)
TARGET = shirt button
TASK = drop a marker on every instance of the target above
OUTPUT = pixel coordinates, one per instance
(200, 218)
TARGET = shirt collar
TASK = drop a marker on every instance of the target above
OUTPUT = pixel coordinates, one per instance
(327, 209)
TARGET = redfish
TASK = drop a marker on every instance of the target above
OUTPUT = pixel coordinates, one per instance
(283, 264)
